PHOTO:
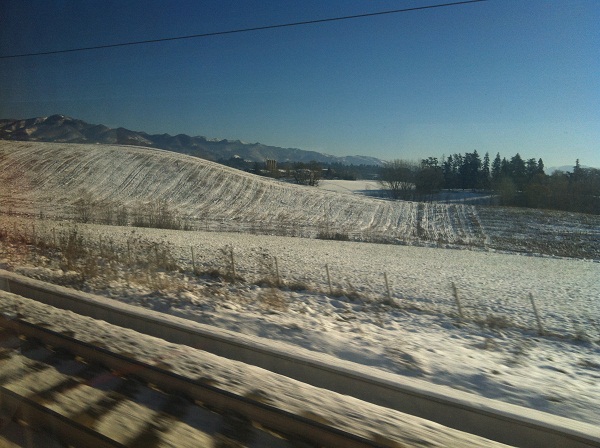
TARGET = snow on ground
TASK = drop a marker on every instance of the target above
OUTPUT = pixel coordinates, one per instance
(495, 351)
(98, 181)
(362, 418)
(365, 187)
(373, 188)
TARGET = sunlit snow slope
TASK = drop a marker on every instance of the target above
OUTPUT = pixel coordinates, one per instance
(50, 177)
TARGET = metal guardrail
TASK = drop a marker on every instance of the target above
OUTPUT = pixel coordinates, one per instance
(293, 426)
(502, 422)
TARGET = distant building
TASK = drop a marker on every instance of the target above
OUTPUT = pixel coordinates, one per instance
(271, 165)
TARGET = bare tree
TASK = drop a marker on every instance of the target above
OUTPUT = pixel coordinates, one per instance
(398, 177)
(307, 174)
(122, 216)
(84, 206)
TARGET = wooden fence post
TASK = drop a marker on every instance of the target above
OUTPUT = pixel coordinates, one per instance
(387, 286)
(537, 316)
(458, 305)
(329, 279)
(232, 266)
(277, 272)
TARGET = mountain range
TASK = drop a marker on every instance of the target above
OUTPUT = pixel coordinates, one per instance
(60, 128)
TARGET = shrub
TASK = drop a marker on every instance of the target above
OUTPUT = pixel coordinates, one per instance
(331, 235)
(272, 299)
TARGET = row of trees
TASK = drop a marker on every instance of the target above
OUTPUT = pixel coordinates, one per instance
(474, 173)
(514, 181)
(577, 191)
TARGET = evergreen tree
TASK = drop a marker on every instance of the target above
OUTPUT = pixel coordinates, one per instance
(577, 171)
(532, 169)
(496, 168)
(447, 173)
(540, 168)
(504, 168)
(518, 171)
(469, 171)
(484, 181)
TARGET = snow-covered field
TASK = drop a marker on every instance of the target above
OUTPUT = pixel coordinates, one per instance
(60, 180)
(373, 188)
(367, 420)
(365, 187)
(494, 351)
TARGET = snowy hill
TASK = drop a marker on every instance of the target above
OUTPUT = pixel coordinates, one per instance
(52, 179)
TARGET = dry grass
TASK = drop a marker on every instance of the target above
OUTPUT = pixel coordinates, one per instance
(497, 322)
(74, 259)
(70, 255)
(272, 299)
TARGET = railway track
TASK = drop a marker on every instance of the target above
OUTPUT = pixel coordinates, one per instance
(490, 419)
(87, 396)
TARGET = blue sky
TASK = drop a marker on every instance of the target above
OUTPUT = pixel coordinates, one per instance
(502, 76)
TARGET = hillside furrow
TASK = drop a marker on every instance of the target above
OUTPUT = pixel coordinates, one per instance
(54, 179)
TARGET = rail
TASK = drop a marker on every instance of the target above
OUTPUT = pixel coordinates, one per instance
(294, 427)
(502, 422)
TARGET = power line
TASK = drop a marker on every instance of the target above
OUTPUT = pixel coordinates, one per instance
(242, 30)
